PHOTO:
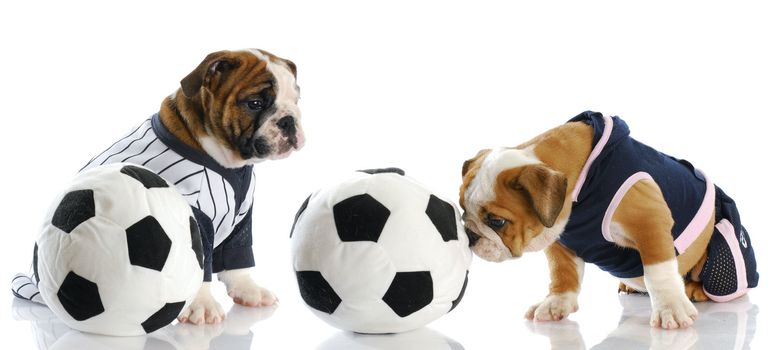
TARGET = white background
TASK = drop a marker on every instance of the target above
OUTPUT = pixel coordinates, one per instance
(419, 85)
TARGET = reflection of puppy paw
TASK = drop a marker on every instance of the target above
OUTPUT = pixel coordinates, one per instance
(240, 319)
(189, 336)
(673, 339)
(555, 307)
(671, 312)
(203, 309)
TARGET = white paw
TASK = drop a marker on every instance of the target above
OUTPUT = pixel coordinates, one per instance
(203, 309)
(555, 307)
(673, 312)
(250, 294)
(244, 291)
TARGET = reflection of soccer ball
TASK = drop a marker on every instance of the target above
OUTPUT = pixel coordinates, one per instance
(120, 252)
(420, 339)
(379, 253)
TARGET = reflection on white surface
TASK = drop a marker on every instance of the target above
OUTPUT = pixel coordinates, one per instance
(719, 326)
(420, 339)
(233, 333)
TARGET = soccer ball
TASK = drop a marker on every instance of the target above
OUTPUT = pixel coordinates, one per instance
(120, 252)
(379, 253)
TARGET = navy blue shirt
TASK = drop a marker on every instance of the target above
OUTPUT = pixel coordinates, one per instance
(621, 157)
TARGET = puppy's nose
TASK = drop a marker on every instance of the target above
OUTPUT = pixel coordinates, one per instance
(286, 124)
(473, 237)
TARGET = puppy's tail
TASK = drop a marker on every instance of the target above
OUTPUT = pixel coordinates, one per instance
(24, 287)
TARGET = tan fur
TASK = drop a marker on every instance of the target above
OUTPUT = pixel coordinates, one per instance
(565, 149)
(545, 189)
(514, 206)
(563, 269)
(646, 221)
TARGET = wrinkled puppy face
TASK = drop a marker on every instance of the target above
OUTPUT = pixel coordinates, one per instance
(511, 202)
(249, 104)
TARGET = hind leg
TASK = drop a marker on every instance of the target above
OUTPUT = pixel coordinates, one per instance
(695, 291)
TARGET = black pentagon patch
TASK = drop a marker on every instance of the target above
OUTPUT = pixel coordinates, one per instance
(443, 216)
(75, 208)
(196, 245)
(80, 297)
(461, 293)
(316, 292)
(148, 244)
(360, 218)
(146, 177)
(383, 171)
(298, 214)
(409, 292)
(163, 316)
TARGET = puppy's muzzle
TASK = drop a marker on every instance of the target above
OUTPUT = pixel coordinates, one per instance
(287, 126)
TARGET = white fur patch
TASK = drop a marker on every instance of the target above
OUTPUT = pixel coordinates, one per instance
(481, 189)
(221, 153)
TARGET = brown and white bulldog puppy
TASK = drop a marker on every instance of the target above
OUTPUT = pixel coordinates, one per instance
(240, 108)
(520, 199)
(217, 106)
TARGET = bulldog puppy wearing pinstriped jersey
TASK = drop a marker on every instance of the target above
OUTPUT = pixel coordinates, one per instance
(236, 109)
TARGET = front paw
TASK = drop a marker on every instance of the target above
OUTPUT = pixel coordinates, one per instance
(203, 309)
(555, 307)
(673, 312)
(244, 291)
(250, 294)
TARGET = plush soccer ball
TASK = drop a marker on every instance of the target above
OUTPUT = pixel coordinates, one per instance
(119, 253)
(379, 253)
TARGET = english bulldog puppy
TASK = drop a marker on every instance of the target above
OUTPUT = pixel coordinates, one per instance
(235, 110)
(586, 191)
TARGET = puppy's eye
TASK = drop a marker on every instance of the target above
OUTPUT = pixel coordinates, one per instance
(495, 222)
(255, 105)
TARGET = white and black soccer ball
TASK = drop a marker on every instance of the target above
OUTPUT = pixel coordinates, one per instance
(379, 253)
(120, 252)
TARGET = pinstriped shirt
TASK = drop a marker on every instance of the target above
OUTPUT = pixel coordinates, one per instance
(223, 195)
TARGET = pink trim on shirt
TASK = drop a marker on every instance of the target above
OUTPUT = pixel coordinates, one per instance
(728, 232)
(608, 123)
(698, 222)
(607, 221)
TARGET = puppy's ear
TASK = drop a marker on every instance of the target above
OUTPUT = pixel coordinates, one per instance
(210, 71)
(468, 162)
(292, 67)
(466, 166)
(546, 190)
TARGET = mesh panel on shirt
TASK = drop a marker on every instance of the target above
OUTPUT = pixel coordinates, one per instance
(719, 273)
